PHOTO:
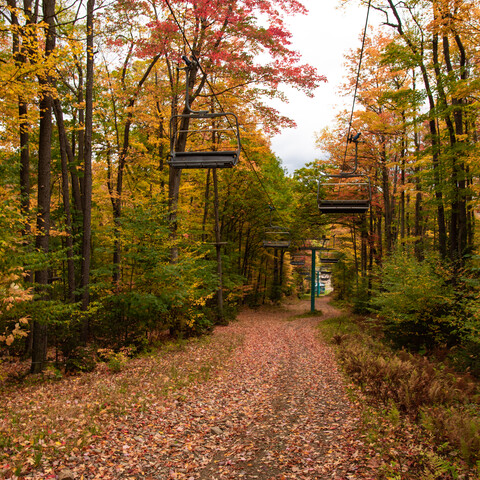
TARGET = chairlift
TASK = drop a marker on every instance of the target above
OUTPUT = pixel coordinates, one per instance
(328, 260)
(345, 192)
(297, 260)
(276, 237)
(206, 140)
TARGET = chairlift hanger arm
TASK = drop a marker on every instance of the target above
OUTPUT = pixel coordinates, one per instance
(201, 153)
(355, 140)
(192, 66)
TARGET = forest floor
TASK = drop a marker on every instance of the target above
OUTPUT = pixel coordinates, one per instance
(261, 398)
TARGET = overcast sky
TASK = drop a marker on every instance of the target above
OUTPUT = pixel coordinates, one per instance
(322, 37)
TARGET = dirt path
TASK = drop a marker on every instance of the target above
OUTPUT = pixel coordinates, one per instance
(278, 410)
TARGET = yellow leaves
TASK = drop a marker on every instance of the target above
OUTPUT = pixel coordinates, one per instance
(10, 296)
(8, 340)
(17, 332)
(461, 138)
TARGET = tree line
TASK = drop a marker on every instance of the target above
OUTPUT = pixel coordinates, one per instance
(103, 243)
(101, 240)
(415, 255)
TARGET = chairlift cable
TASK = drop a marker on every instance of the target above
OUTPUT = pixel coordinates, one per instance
(356, 83)
(271, 203)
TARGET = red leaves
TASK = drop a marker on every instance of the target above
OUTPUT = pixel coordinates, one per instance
(276, 408)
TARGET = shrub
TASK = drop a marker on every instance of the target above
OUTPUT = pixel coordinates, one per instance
(81, 359)
(410, 381)
(415, 301)
(443, 402)
(460, 427)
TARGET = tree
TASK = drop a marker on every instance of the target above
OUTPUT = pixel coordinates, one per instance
(39, 351)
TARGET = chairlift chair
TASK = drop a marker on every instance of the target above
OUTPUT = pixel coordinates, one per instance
(328, 260)
(297, 260)
(276, 237)
(212, 140)
(345, 192)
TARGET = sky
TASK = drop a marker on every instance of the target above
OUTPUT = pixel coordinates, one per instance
(322, 37)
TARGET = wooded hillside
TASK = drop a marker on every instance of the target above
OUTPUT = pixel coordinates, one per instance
(104, 245)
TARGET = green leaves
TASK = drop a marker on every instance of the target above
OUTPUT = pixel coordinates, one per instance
(415, 300)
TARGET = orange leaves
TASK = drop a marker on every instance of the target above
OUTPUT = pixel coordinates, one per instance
(11, 294)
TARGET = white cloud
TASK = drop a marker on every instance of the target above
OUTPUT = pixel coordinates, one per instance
(323, 37)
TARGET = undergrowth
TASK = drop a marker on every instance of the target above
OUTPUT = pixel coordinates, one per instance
(40, 424)
(408, 393)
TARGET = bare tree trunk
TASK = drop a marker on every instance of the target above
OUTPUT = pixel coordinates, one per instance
(19, 52)
(387, 212)
(205, 206)
(459, 204)
(282, 256)
(64, 148)
(87, 171)
(402, 183)
(417, 229)
(39, 351)
(364, 244)
(76, 179)
(354, 242)
(176, 173)
(379, 255)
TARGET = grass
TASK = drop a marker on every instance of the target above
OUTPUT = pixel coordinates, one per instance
(309, 314)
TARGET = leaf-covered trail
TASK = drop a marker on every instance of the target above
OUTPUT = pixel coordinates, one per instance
(277, 411)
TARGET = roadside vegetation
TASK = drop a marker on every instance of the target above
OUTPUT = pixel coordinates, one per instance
(421, 415)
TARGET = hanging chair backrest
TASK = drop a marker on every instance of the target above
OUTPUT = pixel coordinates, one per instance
(329, 260)
(345, 193)
(212, 140)
(297, 260)
(276, 237)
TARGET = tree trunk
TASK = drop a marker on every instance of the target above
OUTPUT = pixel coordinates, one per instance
(205, 206)
(176, 173)
(418, 52)
(64, 155)
(39, 351)
(87, 170)
(19, 52)
(418, 230)
(387, 210)
(459, 203)
(118, 196)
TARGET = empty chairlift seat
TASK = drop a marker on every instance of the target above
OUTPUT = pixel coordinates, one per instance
(209, 140)
(328, 259)
(297, 260)
(276, 237)
(344, 194)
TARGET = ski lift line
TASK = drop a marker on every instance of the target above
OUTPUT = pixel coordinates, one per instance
(219, 103)
(356, 82)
